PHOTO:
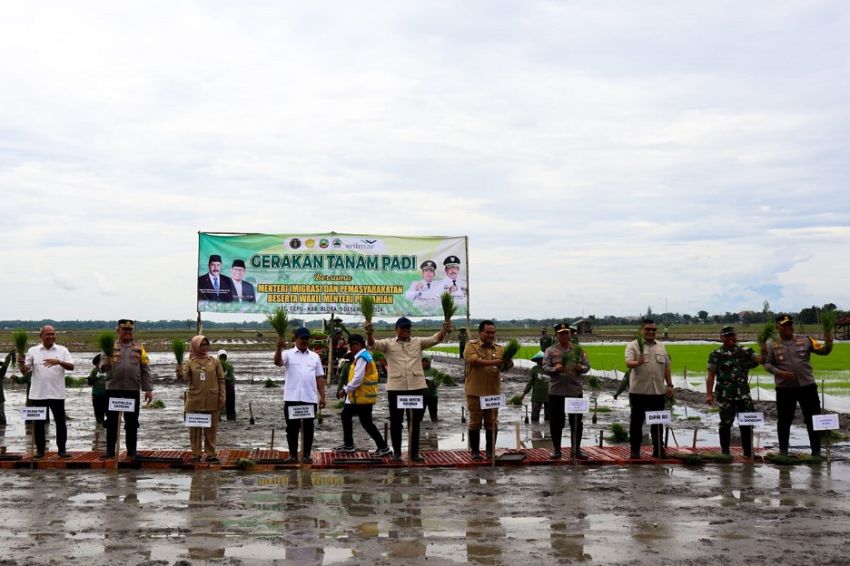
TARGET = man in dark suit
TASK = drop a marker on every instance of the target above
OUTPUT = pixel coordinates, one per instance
(214, 286)
(243, 292)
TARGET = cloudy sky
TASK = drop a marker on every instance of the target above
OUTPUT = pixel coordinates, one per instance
(602, 157)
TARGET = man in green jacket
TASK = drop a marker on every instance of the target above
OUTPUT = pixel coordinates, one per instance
(538, 385)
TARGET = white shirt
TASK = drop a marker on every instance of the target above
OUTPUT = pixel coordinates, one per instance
(47, 382)
(361, 360)
(237, 287)
(302, 369)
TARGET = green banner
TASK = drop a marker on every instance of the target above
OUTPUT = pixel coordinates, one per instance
(323, 273)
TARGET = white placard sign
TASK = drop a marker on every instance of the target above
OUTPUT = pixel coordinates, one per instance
(122, 405)
(301, 412)
(492, 401)
(34, 414)
(201, 420)
(577, 406)
(659, 417)
(751, 419)
(410, 402)
(825, 422)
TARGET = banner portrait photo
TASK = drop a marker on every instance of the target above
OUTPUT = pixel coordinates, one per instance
(323, 273)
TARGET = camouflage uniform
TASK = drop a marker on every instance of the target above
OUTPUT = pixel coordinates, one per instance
(732, 390)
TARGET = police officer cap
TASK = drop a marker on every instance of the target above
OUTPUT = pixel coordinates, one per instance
(785, 319)
(215, 257)
(451, 261)
(428, 265)
(727, 331)
(302, 333)
(537, 356)
(562, 327)
(238, 263)
(403, 322)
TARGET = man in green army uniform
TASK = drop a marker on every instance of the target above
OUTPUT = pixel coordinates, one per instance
(538, 385)
(431, 397)
(229, 386)
(545, 339)
(728, 384)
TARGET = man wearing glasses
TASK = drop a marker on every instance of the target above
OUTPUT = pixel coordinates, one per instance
(650, 380)
(129, 371)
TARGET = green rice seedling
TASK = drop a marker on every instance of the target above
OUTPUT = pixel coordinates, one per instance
(604, 410)
(178, 347)
(572, 356)
(269, 383)
(339, 405)
(367, 307)
(791, 459)
(641, 341)
(827, 320)
(71, 381)
(155, 404)
(449, 306)
(767, 333)
(515, 400)
(19, 337)
(279, 321)
(106, 342)
(619, 434)
(441, 379)
(511, 349)
(245, 463)
(594, 382)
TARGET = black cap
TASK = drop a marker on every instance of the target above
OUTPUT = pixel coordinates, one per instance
(215, 257)
(562, 327)
(451, 261)
(357, 339)
(728, 331)
(95, 361)
(428, 265)
(238, 263)
(302, 332)
(402, 322)
(785, 319)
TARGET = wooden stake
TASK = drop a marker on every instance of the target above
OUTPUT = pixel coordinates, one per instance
(601, 438)
(493, 435)
(695, 439)
(301, 459)
(118, 439)
(518, 441)
(271, 444)
(32, 446)
(409, 436)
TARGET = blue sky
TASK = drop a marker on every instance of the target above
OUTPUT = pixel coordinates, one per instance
(601, 156)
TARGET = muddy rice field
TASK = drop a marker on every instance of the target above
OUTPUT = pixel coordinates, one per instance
(648, 514)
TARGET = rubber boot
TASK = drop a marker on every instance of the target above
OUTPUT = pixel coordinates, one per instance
(725, 439)
(577, 453)
(475, 444)
(491, 437)
(747, 441)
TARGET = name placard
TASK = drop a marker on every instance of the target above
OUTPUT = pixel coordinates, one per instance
(659, 417)
(577, 406)
(301, 412)
(200, 420)
(751, 419)
(492, 401)
(121, 405)
(34, 414)
(825, 422)
(410, 402)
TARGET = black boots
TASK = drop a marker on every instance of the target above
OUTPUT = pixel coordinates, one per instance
(491, 442)
(475, 444)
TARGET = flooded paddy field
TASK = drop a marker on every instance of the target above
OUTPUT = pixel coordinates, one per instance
(648, 514)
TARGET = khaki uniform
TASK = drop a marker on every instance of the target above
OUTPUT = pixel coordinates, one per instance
(206, 395)
(481, 380)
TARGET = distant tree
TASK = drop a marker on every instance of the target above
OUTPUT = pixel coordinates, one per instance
(703, 316)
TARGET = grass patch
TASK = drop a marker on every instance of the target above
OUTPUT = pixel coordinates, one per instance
(155, 404)
(604, 410)
(71, 381)
(792, 459)
(269, 383)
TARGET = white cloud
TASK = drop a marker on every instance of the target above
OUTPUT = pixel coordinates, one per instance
(600, 157)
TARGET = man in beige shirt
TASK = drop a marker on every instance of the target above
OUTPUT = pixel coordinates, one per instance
(483, 358)
(405, 376)
(650, 380)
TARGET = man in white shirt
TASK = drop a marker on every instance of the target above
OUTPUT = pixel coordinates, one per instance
(243, 291)
(48, 362)
(305, 385)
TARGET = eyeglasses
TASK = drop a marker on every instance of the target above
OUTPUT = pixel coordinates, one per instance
(650, 329)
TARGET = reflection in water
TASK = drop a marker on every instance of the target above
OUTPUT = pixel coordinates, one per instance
(121, 514)
(406, 538)
(201, 541)
(567, 540)
(483, 524)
